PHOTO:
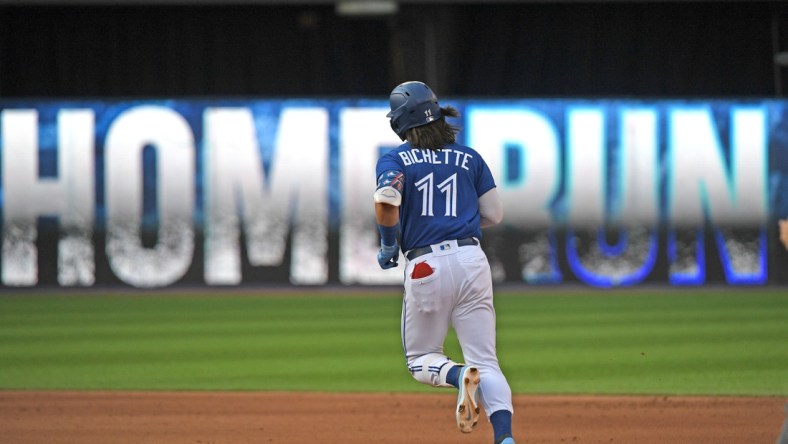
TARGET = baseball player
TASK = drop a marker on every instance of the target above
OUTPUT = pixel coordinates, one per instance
(432, 199)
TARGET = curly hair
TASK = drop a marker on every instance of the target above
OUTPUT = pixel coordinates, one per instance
(435, 135)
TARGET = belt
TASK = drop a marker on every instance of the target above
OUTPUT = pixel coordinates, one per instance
(421, 251)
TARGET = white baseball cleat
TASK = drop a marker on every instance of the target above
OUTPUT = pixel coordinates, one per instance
(467, 400)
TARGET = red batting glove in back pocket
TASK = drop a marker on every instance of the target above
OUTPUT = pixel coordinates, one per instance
(421, 270)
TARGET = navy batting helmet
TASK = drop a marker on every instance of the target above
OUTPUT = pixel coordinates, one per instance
(412, 104)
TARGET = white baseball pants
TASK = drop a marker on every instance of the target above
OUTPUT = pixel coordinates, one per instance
(458, 293)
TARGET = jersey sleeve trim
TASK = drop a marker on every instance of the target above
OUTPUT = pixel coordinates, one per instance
(390, 185)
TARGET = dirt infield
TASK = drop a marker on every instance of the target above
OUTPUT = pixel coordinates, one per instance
(209, 417)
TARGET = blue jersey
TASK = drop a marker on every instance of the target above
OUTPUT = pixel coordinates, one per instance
(440, 192)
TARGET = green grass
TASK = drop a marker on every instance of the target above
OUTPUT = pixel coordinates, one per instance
(620, 342)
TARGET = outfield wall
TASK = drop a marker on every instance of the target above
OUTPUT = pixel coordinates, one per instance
(218, 192)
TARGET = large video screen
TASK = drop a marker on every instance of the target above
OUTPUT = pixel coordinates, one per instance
(603, 193)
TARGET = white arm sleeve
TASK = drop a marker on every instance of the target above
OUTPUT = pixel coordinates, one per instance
(490, 208)
(388, 195)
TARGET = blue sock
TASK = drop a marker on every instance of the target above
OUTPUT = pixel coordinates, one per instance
(502, 424)
(452, 377)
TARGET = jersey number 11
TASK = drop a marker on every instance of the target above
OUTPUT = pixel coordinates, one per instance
(448, 187)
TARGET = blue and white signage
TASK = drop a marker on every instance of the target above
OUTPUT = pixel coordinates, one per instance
(220, 192)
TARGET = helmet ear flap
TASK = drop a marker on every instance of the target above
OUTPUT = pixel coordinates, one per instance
(395, 127)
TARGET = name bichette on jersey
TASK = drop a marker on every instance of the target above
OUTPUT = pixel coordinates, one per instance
(445, 156)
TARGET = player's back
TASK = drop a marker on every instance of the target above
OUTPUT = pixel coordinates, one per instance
(440, 197)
